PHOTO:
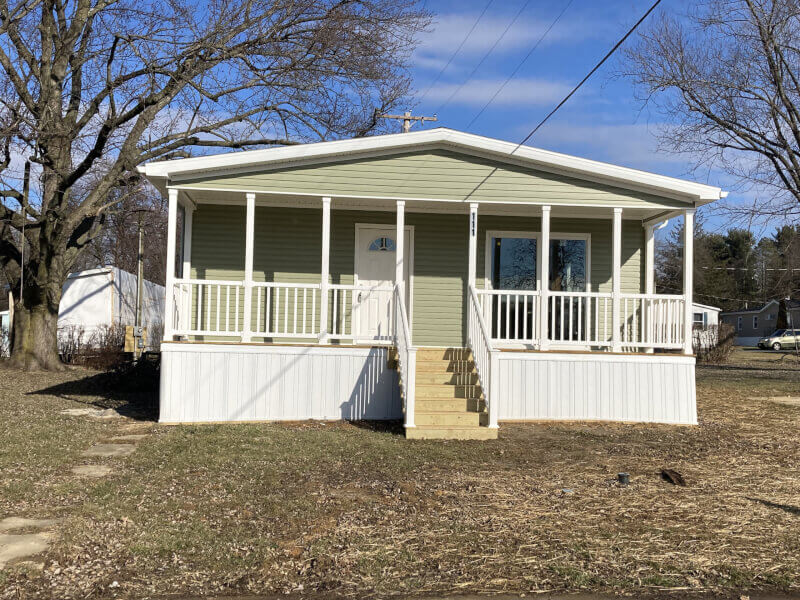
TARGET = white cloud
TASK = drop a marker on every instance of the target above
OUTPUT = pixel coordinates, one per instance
(525, 91)
(437, 46)
(632, 145)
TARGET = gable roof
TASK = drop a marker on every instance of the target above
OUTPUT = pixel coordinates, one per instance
(756, 309)
(165, 172)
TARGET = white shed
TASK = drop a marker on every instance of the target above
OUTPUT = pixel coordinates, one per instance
(705, 316)
(105, 297)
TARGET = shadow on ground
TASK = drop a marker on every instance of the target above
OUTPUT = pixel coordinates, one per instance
(792, 510)
(131, 390)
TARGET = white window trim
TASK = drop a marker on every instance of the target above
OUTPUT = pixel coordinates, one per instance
(534, 235)
(755, 321)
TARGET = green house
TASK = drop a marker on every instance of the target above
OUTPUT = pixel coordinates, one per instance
(451, 280)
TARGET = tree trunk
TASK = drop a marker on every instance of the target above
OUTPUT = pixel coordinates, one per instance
(34, 343)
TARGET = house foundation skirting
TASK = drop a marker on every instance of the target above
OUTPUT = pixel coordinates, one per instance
(658, 388)
(224, 382)
(208, 382)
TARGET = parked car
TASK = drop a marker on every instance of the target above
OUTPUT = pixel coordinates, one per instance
(782, 338)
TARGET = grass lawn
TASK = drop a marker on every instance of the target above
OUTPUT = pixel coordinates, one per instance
(351, 510)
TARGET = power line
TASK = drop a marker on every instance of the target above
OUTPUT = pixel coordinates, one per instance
(522, 62)
(575, 89)
(592, 72)
(461, 45)
(485, 56)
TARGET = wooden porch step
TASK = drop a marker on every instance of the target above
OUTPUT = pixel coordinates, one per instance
(462, 404)
(445, 366)
(447, 418)
(451, 433)
(446, 377)
(459, 354)
(447, 390)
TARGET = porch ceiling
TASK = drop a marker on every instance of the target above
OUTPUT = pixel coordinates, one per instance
(431, 206)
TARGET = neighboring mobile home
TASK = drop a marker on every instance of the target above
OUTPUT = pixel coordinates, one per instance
(410, 275)
(752, 324)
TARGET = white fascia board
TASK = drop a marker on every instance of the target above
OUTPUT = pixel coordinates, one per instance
(535, 157)
(706, 306)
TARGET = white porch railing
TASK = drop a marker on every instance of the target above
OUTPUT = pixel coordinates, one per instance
(652, 321)
(583, 319)
(580, 318)
(479, 341)
(362, 313)
(406, 356)
(511, 315)
(288, 310)
(208, 307)
(205, 307)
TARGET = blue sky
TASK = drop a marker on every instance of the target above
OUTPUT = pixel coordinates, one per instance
(603, 121)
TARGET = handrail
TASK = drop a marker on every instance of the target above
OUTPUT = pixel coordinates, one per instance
(481, 321)
(565, 294)
(209, 281)
(483, 354)
(274, 284)
(406, 355)
(653, 296)
(492, 292)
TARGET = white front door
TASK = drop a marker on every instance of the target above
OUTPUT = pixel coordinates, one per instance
(375, 260)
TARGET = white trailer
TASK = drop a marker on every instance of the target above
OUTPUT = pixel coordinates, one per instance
(104, 297)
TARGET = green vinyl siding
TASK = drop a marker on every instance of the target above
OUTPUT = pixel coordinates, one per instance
(440, 175)
(288, 249)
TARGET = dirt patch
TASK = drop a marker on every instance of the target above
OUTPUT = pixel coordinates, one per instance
(354, 510)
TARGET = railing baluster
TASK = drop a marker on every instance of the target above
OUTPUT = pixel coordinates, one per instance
(305, 308)
(335, 304)
(216, 325)
(294, 313)
(313, 311)
(286, 309)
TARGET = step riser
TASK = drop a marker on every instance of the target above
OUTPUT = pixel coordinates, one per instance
(476, 433)
(443, 354)
(456, 419)
(445, 366)
(449, 391)
(437, 404)
(426, 378)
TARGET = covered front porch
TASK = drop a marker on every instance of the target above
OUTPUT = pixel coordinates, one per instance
(597, 299)
(350, 273)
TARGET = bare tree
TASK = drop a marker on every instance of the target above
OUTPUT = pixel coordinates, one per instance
(89, 89)
(727, 78)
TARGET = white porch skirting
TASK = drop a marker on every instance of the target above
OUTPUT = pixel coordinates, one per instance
(654, 388)
(228, 382)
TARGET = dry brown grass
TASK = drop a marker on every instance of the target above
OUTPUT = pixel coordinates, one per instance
(350, 511)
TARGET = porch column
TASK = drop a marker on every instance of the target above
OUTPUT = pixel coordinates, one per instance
(169, 300)
(473, 244)
(247, 328)
(325, 270)
(688, 278)
(649, 280)
(400, 248)
(616, 283)
(544, 297)
(188, 214)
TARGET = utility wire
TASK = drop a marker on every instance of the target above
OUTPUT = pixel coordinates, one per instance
(592, 72)
(461, 45)
(568, 96)
(485, 56)
(519, 65)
